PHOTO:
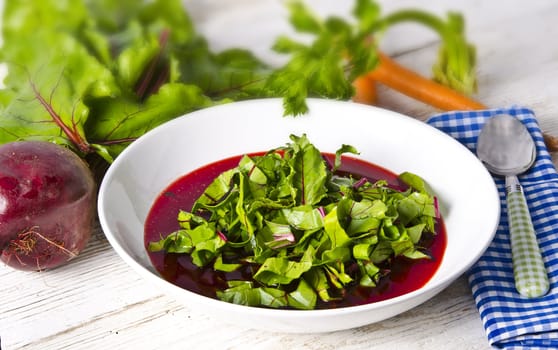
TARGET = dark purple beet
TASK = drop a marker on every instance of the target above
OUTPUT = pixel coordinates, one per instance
(47, 204)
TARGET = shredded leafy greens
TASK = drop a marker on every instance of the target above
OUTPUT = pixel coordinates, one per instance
(95, 75)
(307, 232)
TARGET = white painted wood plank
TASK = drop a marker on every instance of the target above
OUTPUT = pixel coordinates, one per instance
(37, 305)
(162, 323)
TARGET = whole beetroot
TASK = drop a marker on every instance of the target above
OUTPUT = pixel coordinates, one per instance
(47, 204)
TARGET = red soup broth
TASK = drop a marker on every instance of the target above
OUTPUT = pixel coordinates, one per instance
(405, 275)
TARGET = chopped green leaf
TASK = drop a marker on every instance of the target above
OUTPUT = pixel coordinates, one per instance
(302, 239)
(303, 297)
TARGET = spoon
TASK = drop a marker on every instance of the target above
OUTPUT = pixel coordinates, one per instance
(507, 149)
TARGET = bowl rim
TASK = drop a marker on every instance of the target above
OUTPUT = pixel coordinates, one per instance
(430, 286)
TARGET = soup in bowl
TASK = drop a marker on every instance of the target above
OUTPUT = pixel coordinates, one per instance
(152, 169)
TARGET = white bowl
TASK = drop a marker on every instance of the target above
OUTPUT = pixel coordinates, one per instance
(469, 199)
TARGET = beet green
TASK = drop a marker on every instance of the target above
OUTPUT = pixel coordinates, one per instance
(307, 231)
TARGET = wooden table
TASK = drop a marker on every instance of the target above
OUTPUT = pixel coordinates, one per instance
(98, 302)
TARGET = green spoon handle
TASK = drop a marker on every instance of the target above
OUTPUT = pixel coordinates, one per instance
(531, 279)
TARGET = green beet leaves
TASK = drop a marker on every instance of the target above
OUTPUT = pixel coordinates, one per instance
(95, 75)
(308, 233)
(110, 71)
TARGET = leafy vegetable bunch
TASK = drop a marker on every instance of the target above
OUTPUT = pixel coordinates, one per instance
(94, 75)
(305, 231)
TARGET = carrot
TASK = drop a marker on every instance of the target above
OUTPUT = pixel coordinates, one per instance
(404, 80)
(408, 82)
(365, 90)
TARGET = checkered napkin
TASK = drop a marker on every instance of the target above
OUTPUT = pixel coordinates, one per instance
(510, 320)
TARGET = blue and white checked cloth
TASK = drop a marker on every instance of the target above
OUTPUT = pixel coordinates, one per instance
(510, 320)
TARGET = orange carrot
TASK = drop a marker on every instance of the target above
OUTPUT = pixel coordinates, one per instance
(365, 90)
(399, 78)
(407, 82)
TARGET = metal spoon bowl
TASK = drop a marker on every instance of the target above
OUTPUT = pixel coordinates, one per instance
(506, 148)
